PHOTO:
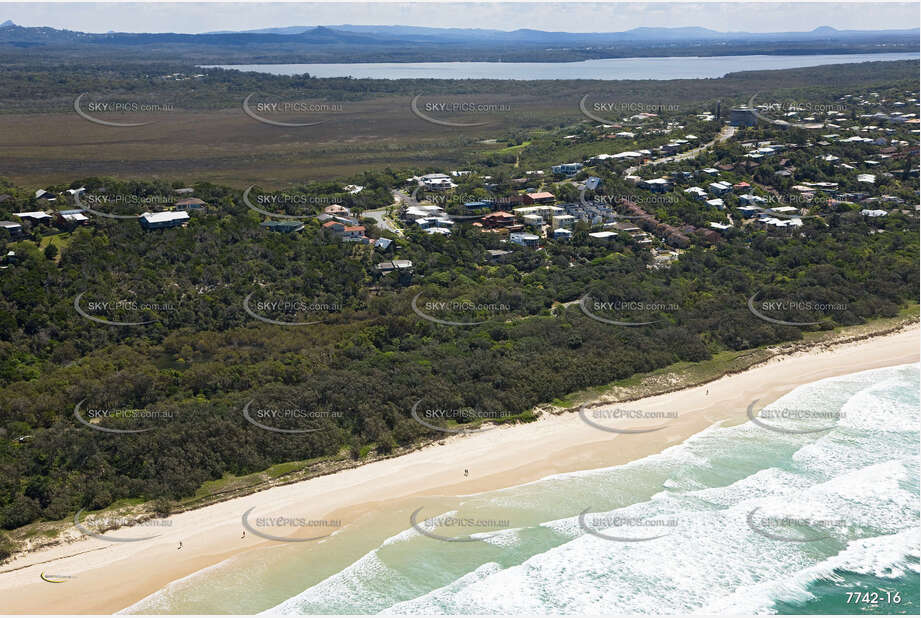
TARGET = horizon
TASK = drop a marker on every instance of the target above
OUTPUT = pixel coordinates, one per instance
(210, 17)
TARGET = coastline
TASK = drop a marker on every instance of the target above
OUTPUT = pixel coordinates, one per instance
(503, 456)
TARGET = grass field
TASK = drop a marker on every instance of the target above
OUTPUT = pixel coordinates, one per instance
(230, 148)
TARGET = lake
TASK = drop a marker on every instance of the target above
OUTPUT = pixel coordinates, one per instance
(681, 67)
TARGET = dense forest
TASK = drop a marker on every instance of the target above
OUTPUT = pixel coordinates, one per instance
(365, 364)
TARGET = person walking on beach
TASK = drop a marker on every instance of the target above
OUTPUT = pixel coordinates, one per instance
(466, 472)
(244, 535)
(180, 544)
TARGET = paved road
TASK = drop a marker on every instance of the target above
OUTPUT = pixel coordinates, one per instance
(381, 217)
(724, 134)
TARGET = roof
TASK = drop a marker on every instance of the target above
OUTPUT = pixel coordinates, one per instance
(602, 234)
(164, 217)
(37, 214)
(541, 195)
(189, 201)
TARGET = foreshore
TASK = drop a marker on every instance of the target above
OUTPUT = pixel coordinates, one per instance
(502, 456)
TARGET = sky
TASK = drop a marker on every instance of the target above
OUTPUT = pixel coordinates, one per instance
(192, 17)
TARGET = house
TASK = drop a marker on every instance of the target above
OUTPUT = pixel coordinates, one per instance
(524, 239)
(564, 221)
(14, 229)
(41, 194)
(605, 235)
(476, 205)
(337, 210)
(657, 185)
(566, 169)
(353, 189)
(533, 220)
(711, 171)
(867, 178)
(72, 217)
(355, 233)
(592, 183)
(403, 269)
(719, 226)
(34, 216)
(562, 234)
(697, 193)
(443, 231)
(283, 226)
(748, 211)
(496, 255)
(752, 200)
(161, 220)
(190, 203)
(184, 191)
(874, 213)
(741, 187)
(383, 244)
(541, 197)
(716, 203)
(498, 219)
(719, 188)
(437, 182)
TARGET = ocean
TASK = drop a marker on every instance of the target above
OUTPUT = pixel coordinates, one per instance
(813, 519)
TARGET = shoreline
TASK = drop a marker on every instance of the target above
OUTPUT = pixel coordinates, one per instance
(502, 456)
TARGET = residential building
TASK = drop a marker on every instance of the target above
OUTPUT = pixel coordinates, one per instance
(524, 239)
(566, 169)
(14, 229)
(562, 234)
(34, 217)
(161, 220)
(283, 226)
(541, 197)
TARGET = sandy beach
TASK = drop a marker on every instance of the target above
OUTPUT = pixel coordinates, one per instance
(499, 457)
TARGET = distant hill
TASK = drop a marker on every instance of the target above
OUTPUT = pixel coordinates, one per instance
(349, 43)
(542, 36)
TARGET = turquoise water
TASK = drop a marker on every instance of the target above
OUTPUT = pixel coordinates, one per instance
(748, 520)
(681, 67)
